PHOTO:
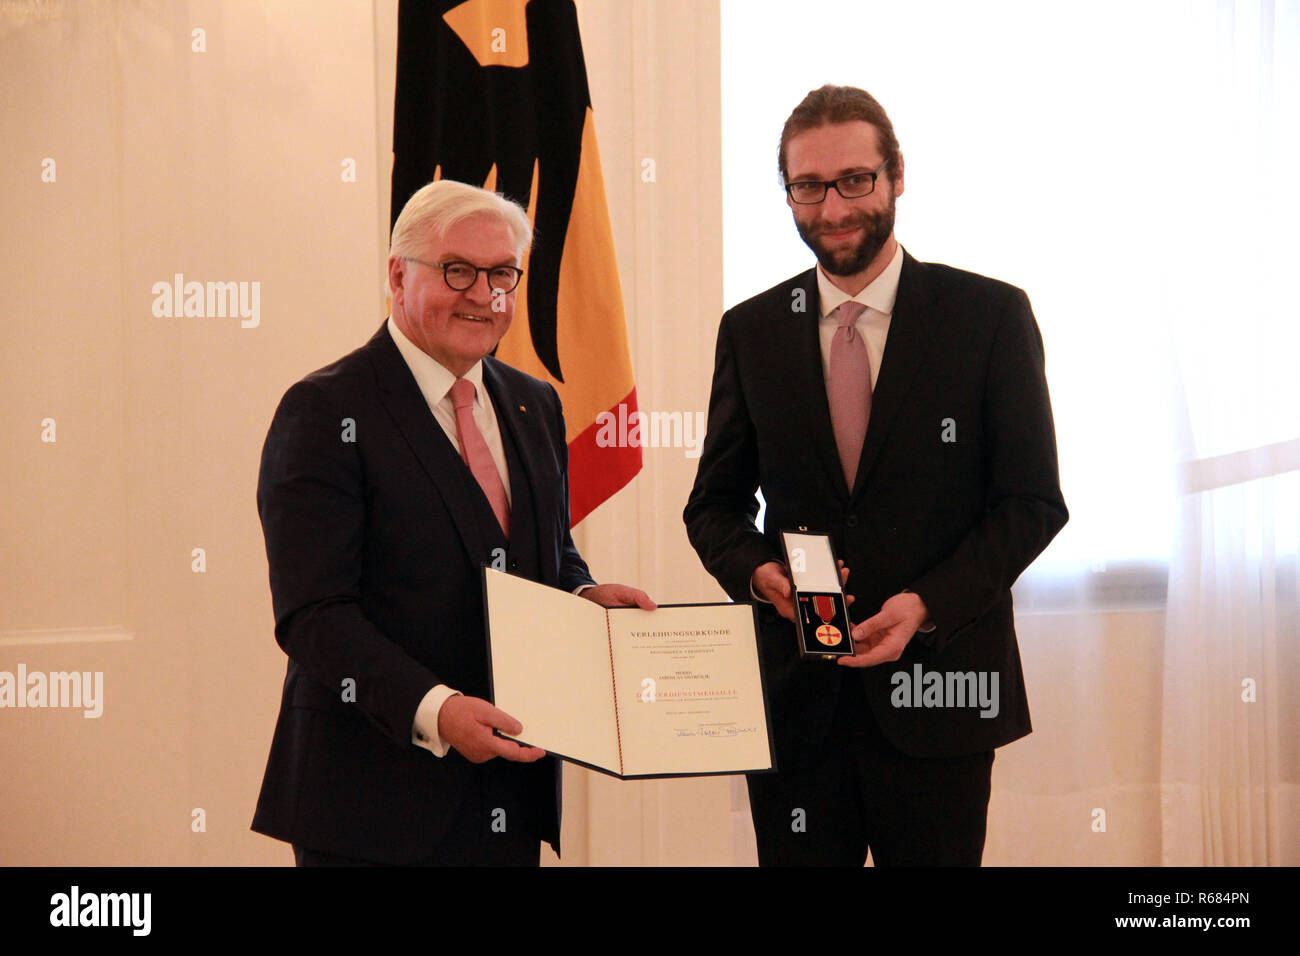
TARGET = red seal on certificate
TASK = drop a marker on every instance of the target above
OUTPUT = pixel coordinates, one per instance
(828, 633)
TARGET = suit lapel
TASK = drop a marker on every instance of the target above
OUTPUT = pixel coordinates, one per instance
(516, 417)
(436, 454)
(911, 330)
(810, 409)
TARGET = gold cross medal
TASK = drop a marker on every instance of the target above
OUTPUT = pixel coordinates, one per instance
(828, 633)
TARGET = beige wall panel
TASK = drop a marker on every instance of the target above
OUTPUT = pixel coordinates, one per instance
(224, 166)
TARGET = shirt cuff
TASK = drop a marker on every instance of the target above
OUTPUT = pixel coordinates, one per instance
(757, 597)
(583, 587)
(928, 626)
(424, 732)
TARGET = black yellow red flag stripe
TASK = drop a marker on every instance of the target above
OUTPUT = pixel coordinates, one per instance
(494, 93)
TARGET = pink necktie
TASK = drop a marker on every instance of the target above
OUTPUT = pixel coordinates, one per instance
(850, 389)
(475, 452)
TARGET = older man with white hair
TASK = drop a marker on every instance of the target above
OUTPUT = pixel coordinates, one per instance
(388, 479)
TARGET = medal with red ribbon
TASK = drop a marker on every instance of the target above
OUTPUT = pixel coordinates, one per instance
(828, 633)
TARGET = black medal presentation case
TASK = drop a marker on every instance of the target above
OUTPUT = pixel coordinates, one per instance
(820, 609)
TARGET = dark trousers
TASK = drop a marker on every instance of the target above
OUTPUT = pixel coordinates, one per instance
(865, 794)
(494, 826)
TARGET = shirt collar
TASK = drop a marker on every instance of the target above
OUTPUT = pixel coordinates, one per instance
(431, 376)
(879, 294)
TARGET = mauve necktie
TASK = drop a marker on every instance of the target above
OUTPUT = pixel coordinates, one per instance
(850, 389)
(475, 452)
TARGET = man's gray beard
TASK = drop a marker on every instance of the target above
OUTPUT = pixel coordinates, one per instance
(878, 229)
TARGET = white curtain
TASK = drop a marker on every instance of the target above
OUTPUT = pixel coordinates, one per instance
(1229, 785)
(1229, 781)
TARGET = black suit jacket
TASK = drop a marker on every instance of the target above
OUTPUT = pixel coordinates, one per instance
(954, 521)
(375, 549)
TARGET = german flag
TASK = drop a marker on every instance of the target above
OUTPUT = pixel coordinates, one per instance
(494, 92)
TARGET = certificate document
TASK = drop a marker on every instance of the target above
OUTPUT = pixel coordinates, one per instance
(677, 691)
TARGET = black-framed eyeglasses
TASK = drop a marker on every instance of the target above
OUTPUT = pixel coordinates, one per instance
(809, 192)
(460, 276)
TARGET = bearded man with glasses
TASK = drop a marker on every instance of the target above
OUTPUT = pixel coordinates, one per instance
(388, 479)
(900, 407)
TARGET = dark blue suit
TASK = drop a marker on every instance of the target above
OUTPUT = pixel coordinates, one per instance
(375, 547)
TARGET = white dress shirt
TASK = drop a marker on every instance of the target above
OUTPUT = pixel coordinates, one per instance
(873, 323)
(435, 385)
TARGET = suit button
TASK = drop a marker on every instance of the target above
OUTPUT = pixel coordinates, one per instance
(852, 521)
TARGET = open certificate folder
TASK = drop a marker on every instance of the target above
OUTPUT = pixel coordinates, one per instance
(677, 691)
